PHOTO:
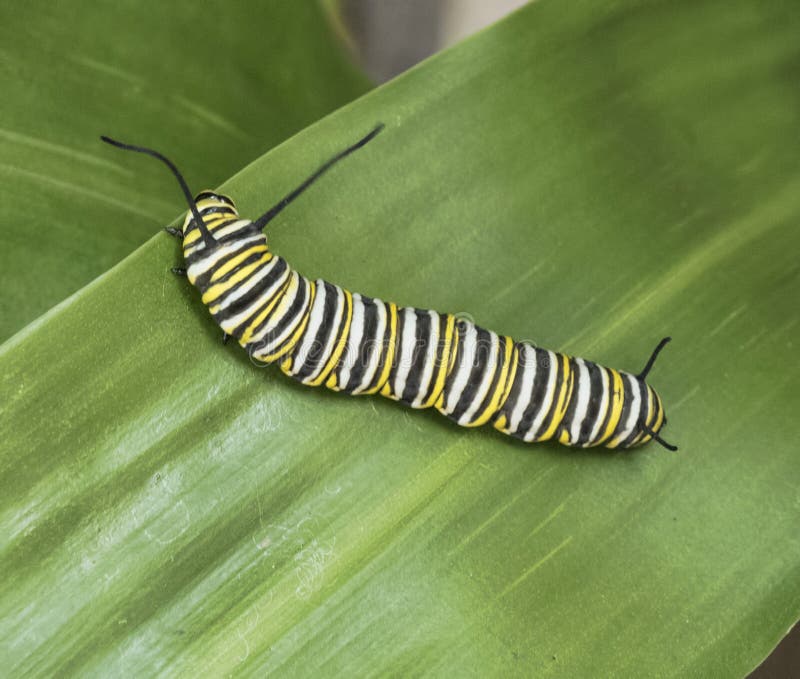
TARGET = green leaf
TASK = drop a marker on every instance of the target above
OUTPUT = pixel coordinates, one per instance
(213, 84)
(588, 177)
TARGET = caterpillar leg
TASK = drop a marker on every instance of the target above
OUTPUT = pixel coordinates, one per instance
(175, 233)
(178, 271)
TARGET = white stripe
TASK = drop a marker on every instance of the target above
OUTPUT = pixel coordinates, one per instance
(212, 258)
(330, 343)
(233, 227)
(464, 368)
(315, 320)
(584, 388)
(353, 341)
(228, 299)
(602, 412)
(528, 361)
(634, 411)
(491, 366)
(408, 343)
(288, 298)
(235, 321)
(376, 350)
(646, 409)
(548, 398)
(292, 325)
(430, 359)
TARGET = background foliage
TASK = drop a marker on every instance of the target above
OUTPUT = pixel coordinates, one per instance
(215, 84)
(591, 178)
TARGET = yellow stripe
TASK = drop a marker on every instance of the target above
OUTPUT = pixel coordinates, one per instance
(638, 438)
(502, 386)
(337, 351)
(211, 202)
(218, 289)
(233, 263)
(277, 296)
(512, 376)
(441, 375)
(601, 415)
(563, 400)
(202, 205)
(615, 399)
(656, 413)
(207, 203)
(613, 443)
(453, 353)
(501, 423)
(191, 237)
(220, 219)
(448, 358)
(382, 384)
(283, 306)
(660, 420)
(642, 436)
(286, 366)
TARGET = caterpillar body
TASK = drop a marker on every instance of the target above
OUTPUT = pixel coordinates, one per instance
(321, 334)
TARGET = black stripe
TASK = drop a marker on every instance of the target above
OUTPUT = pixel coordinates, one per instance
(595, 398)
(439, 356)
(507, 408)
(569, 413)
(203, 281)
(459, 333)
(221, 225)
(658, 411)
(627, 398)
(295, 309)
(560, 384)
(539, 391)
(640, 416)
(396, 356)
(252, 295)
(214, 196)
(325, 330)
(366, 346)
(498, 373)
(211, 213)
(610, 409)
(480, 364)
(386, 344)
(264, 302)
(347, 310)
(422, 341)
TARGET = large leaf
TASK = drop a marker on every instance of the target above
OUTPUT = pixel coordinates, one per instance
(215, 84)
(588, 177)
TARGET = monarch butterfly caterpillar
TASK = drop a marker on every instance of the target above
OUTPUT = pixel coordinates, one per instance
(319, 333)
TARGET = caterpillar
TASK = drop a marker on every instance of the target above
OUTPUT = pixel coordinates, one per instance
(321, 334)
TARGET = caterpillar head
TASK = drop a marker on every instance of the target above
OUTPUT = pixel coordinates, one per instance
(198, 222)
(652, 418)
(220, 219)
(658, 418)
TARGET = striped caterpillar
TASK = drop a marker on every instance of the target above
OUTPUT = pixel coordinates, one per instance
(321, 334)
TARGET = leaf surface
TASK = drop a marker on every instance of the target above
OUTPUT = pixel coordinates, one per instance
(212, 85)
(590, 178)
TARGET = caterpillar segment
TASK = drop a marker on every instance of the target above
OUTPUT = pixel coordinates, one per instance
(321, 334)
